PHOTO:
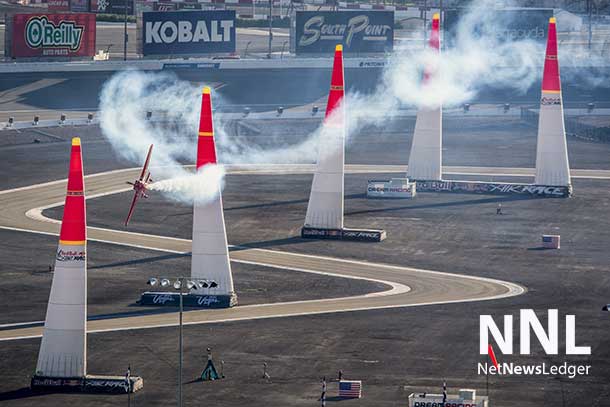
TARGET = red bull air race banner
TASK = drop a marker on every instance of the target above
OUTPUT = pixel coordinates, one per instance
(495, 188)
(53, 35)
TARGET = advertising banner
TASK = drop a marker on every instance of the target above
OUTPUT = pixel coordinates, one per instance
(318, 32)
(142, 7)
(501, 188)
(191, 300)
(59, 5)
(189, 6)
(509, 25)
(79, 6)
(53, 35)
(114, 7)
(393, 188)
(165, 6)
(188, 32)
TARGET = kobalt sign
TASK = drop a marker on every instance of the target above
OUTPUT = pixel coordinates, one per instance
(188, 32)
(183, 31)
(358, 31)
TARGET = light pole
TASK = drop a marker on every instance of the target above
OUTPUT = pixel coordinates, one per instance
(179, 285)
(246, 51)
(125, 33)
(270, 27)
(425, 17)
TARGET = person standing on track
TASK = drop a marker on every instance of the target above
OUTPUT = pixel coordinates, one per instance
(322, 398)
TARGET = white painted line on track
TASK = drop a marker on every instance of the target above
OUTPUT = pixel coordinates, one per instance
(19, 324)
(233, 169)
(514, 290)
(396, 288)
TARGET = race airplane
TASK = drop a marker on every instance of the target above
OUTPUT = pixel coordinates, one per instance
(140, 186)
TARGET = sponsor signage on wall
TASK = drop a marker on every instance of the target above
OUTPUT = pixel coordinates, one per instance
(79, 6)
(319, 32)
(165, 6)
(142, 7)
(59, 5)
(53, 35)
(509, 25)
(188, 32)
(495, 188)
(189, 6)
(191, 300)
(114, 7)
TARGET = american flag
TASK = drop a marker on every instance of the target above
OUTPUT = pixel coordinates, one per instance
(550, 241)
(350, 389)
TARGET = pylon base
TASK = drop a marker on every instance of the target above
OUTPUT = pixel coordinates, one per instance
(494, 188)
(362, 235)
(87, 384)
(169, 299)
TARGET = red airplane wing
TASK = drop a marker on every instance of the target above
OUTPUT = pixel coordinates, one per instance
(132, 207)
(140, 185)
(146, 162)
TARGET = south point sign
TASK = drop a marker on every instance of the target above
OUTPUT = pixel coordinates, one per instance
(318, 32)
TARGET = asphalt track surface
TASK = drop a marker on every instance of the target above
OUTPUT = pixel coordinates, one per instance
(410, 287)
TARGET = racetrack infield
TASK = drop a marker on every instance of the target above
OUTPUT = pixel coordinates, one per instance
(416, 347)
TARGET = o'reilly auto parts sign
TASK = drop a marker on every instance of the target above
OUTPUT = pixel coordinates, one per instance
(318, 32)
(188, 32)
(53, 35)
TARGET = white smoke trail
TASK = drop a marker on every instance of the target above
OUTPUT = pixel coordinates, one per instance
(124, 101)
(201, 186)
(232, 150)
(477, 60)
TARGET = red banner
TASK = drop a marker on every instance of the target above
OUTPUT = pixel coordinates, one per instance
(53, 35)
